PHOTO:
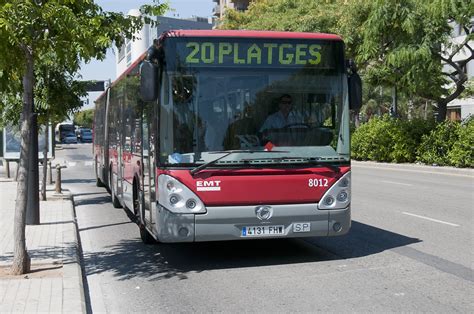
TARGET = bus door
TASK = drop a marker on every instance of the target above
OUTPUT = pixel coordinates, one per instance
(148, 186)
(120, 151)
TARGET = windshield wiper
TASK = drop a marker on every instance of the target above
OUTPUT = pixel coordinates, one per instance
(311, 161)
(227, 153)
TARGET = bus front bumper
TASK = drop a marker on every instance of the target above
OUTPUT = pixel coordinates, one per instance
(236, 222)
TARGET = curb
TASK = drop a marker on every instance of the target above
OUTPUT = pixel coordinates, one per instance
(73, 287)
(415, 167)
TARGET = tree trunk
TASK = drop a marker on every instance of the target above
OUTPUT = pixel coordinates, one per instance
(442, 110)
(21, 259)
(394, 107)
(410, 109)
(356, 118)
(45, 163)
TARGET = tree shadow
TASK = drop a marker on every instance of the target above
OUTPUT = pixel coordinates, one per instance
(130, 258)
(104, 199)
(63, 252)
(66, 181)
(89, 193)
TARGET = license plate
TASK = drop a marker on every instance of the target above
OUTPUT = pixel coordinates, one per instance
(259, 231)
(301, 227)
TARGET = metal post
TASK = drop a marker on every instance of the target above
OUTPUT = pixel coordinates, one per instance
(7, 167)
(33, 203)
(58, 189)
(16, 170)
(50, 173)
(58, 179)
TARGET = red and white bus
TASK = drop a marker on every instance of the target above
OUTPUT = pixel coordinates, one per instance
(227, 135)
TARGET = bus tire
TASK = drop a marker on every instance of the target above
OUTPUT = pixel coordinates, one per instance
(146, 237)
(115, 201)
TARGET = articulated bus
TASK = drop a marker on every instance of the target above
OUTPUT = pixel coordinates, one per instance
(228, 135)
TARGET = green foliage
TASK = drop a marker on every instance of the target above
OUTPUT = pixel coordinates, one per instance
(59, 35)
(371, 141)
(340, 17)
(462, 152)
(84, 118)
(449, 144)
(284, 15)
(404, 43)
(469, 91)
(389, 140)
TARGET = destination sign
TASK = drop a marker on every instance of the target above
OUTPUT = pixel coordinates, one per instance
(258, 53)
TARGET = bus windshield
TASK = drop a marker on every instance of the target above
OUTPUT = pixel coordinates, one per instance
(252, 95)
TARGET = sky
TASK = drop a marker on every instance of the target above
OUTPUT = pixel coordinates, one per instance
(105, 70)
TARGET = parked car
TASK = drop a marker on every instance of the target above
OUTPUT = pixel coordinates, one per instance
(84, 135)
(69, 138)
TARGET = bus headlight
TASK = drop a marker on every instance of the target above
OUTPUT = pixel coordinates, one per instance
(342, 196)
(178, 198)
(338, 196)
(329, 200)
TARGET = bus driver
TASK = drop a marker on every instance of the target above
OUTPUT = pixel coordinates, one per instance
(284, 117)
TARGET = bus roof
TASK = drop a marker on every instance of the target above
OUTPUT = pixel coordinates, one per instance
(248, 34)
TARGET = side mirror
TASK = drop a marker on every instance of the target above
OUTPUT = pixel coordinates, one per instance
(355, 91)
(148, 81)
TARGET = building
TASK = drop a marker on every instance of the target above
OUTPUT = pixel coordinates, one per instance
(461, 108)
(132, 50)
(222, 5)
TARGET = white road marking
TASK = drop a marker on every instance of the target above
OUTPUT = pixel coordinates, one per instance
(88, 163)
(431, 219)
(71, 163)
(399, 183)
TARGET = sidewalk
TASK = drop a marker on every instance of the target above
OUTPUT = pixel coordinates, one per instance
(55, 283)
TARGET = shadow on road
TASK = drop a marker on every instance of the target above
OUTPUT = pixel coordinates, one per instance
(131, 258)
(89, 193)
(104, 199)
(66, 181)
(362, 240)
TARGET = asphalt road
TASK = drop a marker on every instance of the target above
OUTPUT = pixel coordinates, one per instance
(410, 249)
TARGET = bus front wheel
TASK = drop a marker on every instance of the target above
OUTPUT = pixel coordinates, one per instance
(138, 210)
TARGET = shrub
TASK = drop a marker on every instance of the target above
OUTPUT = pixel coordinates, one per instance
(436, 146)
(407, 137)
(462, 152)
(371, 141)
(388, 139)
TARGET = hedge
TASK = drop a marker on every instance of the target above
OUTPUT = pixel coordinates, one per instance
(393, 140)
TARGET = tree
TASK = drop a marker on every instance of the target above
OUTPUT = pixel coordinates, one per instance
(57, 95)
(406, 44)
(84, 118)
(286, 15)
(31, 31)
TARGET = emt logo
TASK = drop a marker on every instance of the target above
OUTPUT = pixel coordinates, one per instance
(208, 185)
